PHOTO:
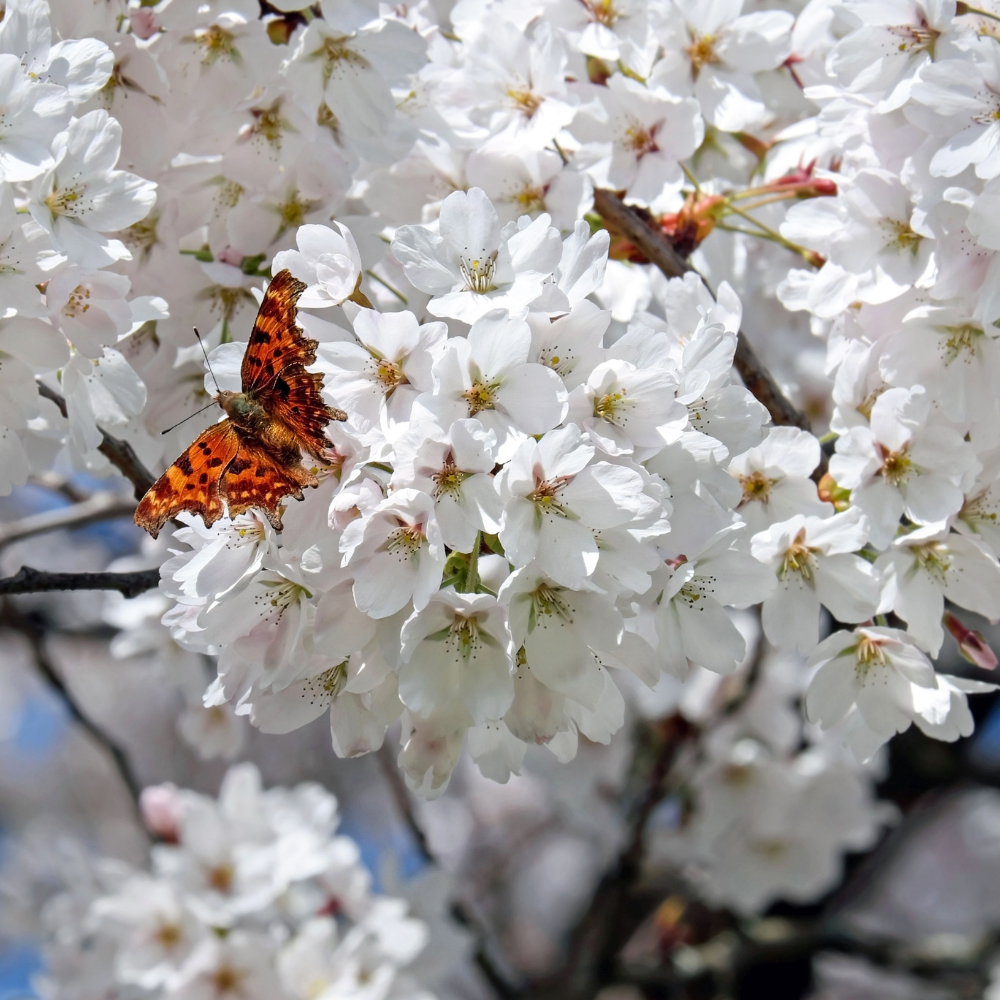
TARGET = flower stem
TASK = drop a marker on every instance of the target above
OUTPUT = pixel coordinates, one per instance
(964, 8)
(766, 232)
(472, 574)
(399, 295)
(691, 177)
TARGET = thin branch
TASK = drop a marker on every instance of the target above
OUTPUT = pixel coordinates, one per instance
(659, 250)
(462, 914)
(12, 618)
(119, 453)
(404, 804)
(612, 916)
(98, 507)
(36, 581)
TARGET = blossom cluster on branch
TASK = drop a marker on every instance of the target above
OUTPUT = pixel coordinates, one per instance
(251, 895)
(551, 490)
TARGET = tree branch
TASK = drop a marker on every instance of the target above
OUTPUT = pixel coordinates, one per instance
(459, 911)
(661, 252)
(119, 453)
(612, 916)
(99, 507)
(36, 581)
(12, 618)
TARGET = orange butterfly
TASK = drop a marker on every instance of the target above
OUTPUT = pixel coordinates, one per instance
(253, 458)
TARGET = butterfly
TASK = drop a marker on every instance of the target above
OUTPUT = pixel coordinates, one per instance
(253, 458)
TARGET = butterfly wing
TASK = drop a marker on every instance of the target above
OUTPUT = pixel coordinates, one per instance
(276, 340)
(192, 482)
(274, 367)
(256, 477)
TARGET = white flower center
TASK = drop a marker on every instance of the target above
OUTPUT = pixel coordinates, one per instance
(867, 655)
(896, 465)
(63, 201)
(547, 603)
(216, 43)
(388, 374)
(482, 396)
(281, 593)
(613, 407)
(334, 51)
(701, 52)
(325, 688)
(405, 541)
(464, 639)
(756, 487)
(545, 496)
(798, 558)
(900, 237)
(77, 302)
(478, 272)
(960, 340)
(915, 38)
(934, 558)
(449, 479)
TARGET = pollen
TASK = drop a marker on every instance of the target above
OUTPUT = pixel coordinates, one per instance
(530, 199)
(216, 43)
(603, 11)
(405, 541)
(799, 558)
(463, 637)
(389, 375)
(900, 236)
(335, 51)
(756, 486)
(77, 303)
(545, 494)
(168, 936)
(960, 340)
(915, 38)
(478, 273)
(613, 407)
(701, 53)
(481, 397)
(896, 465)
(640, 140)
(63, 201)
(449, 479)
(868, 653)
(525, 100)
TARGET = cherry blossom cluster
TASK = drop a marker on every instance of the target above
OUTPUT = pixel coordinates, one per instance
(64, 208)
(551, 491)
(252, 894)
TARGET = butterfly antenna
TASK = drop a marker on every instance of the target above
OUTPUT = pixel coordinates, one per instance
(207, 362)
(190, 415)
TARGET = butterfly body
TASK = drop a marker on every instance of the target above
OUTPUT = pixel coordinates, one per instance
(253, 458)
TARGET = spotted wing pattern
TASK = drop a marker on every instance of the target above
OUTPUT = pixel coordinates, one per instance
(274, 367)
(192, 482)
(233, 464)
(257, 477)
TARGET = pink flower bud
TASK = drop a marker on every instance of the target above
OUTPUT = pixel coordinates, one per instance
(971, 644)
(230, 256)
(160, 806)
(144, 23)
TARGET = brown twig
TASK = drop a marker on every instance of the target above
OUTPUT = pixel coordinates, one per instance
(611, 917)
(12, 618)
(119, 453)
(36, 581)
(461, 913)
(98, 507)
(404, 804)
(655, 246)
